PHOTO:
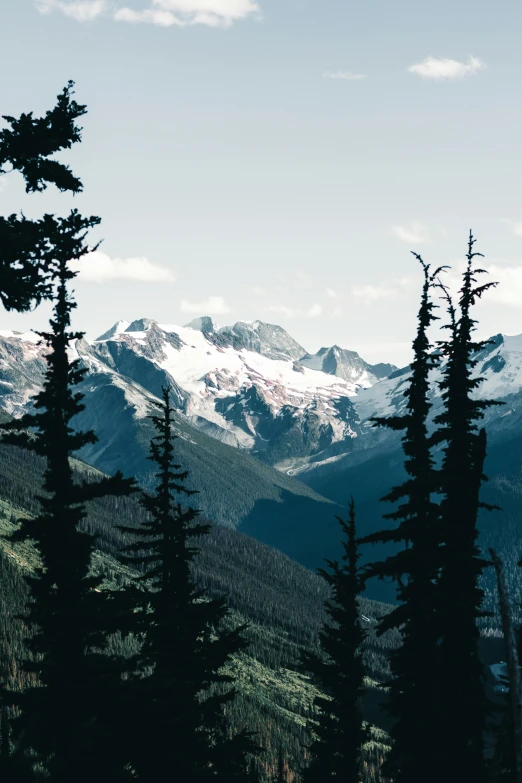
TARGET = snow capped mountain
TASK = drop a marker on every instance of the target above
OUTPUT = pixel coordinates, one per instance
(115, 330)
(267, 339)
(250, 385)
(500, 368)
(347, 365)
(240, 384)
(203, 324)
(22, 367)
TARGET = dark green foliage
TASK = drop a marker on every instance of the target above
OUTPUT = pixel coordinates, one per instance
(502, 765)
(413, 698)
(27, 246)
(69, 706)
(507, 760)
(280, 775)
(460, 596)
(178, 722)
(231, 756)
(282, 601)
(339, 671)
(28, 144)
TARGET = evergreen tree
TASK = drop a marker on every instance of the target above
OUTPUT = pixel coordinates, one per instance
(459, 595)
(280, 775)
(413, 690)
(68, 710)
(507, 761)
(339, 671)
(26, 245)
(178, 691)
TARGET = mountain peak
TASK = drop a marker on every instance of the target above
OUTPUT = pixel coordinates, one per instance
(346, 364)
(141, 325)
(204, 323)
(266, 339)
(114, 331)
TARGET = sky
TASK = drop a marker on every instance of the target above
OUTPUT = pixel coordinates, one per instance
(279, 159)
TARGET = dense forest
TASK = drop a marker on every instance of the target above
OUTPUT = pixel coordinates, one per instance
(140, 641)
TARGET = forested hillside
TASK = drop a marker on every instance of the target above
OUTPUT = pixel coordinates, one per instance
(281, 600)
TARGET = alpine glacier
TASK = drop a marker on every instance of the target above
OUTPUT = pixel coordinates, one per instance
(250, 385)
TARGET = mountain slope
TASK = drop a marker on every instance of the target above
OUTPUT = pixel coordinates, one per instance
(280, 600)
(235, 489)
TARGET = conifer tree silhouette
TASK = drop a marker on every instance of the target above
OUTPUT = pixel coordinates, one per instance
(26, 246)
(413, 691)
(461, 673)
(67, 715)
(504, 761)
(339, 671)
(178, 690)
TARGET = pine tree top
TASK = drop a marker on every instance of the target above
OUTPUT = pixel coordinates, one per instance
(28, 247)
(30, 141)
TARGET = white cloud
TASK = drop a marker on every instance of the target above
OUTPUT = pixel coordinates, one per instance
(443, 68)
(157, 17)
(344, 75)
(98, 268)
(314, 311)
(331, 293)
(304, 280)
(80, 10)
(416, 233)
(516, 226)
(214, 13)
(369, 294)
(509, 288)
(213, 305)
(164, 13)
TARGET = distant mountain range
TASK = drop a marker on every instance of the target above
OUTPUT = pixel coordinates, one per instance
(250, 385)
(257, 412)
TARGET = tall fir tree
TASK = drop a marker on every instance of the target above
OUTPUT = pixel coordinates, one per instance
(68, 709)
(339, 671)
(460, 597)
(178, 687)
(27, 146)
(413, 690)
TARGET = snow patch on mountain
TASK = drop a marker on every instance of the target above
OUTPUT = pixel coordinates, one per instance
(243, 384)
(114, 331)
